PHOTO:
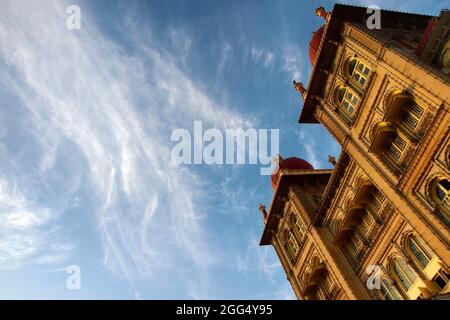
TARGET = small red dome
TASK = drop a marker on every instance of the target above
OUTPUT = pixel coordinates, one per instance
(289, 163)
(315, 43)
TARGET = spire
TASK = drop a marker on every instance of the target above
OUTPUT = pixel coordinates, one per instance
(300, 88)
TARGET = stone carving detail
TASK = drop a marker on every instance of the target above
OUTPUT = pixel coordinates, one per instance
(425, 124)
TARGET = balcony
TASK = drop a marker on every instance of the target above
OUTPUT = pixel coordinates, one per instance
(317, 275)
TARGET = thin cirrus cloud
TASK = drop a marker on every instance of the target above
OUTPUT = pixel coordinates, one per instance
(20, 236)
(294, 63)
(115, 111)
(265, 57)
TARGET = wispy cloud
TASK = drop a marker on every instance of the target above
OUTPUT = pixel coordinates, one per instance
(309, 144)
(265, 57)
(181, 41)
(413, 6)
(257, 258)
(24, 229)
(118, 111)
(225, 56)
(294, 63)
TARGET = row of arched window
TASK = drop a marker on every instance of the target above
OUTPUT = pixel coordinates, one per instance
(404, 274)
(402, 117)
(362, 213)
(398, 128)
(347, 97)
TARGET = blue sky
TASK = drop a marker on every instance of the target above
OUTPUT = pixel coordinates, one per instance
(85, 122)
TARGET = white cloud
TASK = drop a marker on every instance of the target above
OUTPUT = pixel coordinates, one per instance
(226, 49)
(182, 42)
(265, 57)
(294, 63)
(24, 231)
(309, 144)
(258, 258)
(268, 59)
(118, 110)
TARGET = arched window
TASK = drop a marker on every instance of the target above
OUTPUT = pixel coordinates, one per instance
(388, 291)
(403, 273)
(419, 251)
(440, 194)
(358, 71)
(347, 100)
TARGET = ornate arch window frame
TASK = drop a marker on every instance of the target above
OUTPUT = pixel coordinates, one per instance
(436, 201)
(396, 278)
(429, 254)
(352, 73)
(389, 289)
(339, 102)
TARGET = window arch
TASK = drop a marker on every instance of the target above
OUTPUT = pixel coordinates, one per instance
(403, 273)
(347, 100)
(388, 291)
(439, 190)
(419, 251)
(358, 71)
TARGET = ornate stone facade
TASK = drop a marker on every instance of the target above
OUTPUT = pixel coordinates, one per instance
(377, 226)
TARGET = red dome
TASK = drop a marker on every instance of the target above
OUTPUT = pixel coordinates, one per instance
(289, 163)
(315, 43)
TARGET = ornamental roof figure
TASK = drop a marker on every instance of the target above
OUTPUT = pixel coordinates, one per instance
(300, 88)
(321, 12)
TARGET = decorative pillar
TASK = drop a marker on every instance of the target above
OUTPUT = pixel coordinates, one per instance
(300, 88)
(332, 160)
(262, 209)
(321, 12)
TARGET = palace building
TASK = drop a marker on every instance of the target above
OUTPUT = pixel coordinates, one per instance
(376, 226)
